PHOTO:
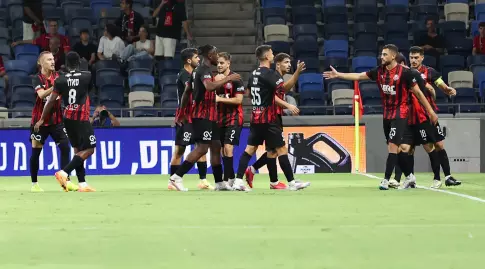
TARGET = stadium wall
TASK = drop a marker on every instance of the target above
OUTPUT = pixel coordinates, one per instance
(144, 146)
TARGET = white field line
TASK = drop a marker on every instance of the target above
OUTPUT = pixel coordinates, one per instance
(435, 190)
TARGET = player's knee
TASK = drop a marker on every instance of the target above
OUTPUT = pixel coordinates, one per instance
(86, 153)
(404, 148)
(202, 149)
(228, 150)
(250, 150)
(203, 159)
(179, 152)
(282, 151)
(439, 145)
(393, 148)
(272, 154)
(37, 144)
(428, 147)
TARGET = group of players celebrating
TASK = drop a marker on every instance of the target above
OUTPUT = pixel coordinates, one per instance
(410, 119)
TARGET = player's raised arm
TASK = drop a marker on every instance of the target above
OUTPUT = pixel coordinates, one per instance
(288, 85)
(214, 85)
(47, 109)
(346, 76)
(292, 108)
(438, 81)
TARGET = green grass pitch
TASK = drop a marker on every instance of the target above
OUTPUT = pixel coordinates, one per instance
(342, 221)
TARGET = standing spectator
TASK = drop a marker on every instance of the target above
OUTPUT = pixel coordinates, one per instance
(431, 42)
(479, 40)
(171, 17)
(85, 48)
(33, 20)
(129, 21)
(43, 40)
(59, 56)
(143, 48)
(110, 44)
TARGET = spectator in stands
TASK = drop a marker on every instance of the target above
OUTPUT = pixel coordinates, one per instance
(292, 101)
(59, 56)
(110, 45)
(85, 48)
(171, 17)
(479, 40)
(33, 21)
(143, 48)
(431, 42)
(43, 40)
(103, 118)
(129, 21)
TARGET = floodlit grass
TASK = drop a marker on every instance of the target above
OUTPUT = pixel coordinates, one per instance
(342, 221)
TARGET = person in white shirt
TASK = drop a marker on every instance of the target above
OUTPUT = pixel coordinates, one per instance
(110, 45)
(142, 49)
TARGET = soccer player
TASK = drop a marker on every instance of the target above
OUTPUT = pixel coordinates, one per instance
(204, 118)
(283, 66)
(230, 117)
(263, 86)
(416, 57)
(183, 133)
(73, 87)
(43, 84)
(394, 82)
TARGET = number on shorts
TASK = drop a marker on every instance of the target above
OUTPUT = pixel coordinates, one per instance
(72, 96)
(233, 132)
(423, 134)
(439, 130)
(392, 133)
(255, 97)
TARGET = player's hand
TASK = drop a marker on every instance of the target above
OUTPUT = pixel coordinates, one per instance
(164, 2)
(38, 124)
(234, 77)
(218, 98)
(433, 118)
(293, 109)
(300, 67)
(450, 91)
(331, 74)
(13, 44)
(219, 77)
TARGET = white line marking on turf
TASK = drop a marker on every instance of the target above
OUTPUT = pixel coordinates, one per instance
(435, 190)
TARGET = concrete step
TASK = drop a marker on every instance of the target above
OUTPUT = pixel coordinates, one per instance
(242, 49)
(243, 59)
(224, 23)
(232, 40)
(223, 7)
(224, 15)
(224, 32)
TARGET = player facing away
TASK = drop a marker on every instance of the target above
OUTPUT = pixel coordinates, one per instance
(183, 132)
(283, 66)
(230, 116)
(264, 85)
(416, 57)
(202, 87)
(73, 87)
(43, 84)
(395, 82)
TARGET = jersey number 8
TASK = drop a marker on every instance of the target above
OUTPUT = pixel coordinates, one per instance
(72, 96)
(255, 97)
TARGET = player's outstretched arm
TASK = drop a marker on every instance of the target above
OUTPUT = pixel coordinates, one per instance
(292, 108)
(288, 85)
(47, 109)
(237, 100)
(44, 93)
(431, 90)
(214, 85)
(422, 99)
(345, 76)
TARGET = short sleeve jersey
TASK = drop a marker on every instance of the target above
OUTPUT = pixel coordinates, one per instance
(417, 113)
(394, 85)
(203, 102)
(431, 76)
(183, 79)
(74, 88)
(230, 115)
(263, 85)
(41, 82)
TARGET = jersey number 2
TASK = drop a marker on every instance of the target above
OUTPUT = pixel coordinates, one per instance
(72, 96)
(256, 98)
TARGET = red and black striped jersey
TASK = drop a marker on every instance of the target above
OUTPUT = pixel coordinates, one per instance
(430, 75)
(417, 113)
(203, 101)
(281, 94)
(74, 88)
(230, 115)
(183, 79)
(263, 86)
(394, 86)
(41, 82)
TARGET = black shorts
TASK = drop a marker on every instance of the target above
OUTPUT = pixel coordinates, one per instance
(81, 134)
(57, 132)
(439, 135)
(420, 134)
(205, 131)
(230, 135)
(183, 135)
(395, 129)
(279, 122)
(269, 133)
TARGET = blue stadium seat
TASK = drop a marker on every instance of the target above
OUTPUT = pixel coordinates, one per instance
(141, 83)
(5, 51)
(111, 90)
(342, 109)
(480, 77)
(17, 68)
(305, 47)
(337, 84)
(336, 31)
(82, 18)
(315, 100)
(49, 4)
(31, 60)
(3, 18)
(167, 67)
(402, 44)
(144, 112)
(107, 68)
(27, 105)
(370, 97)
(330, 3)
(457, 1)
(311, 82)
(15, 10)
(336, 48)
(296, 3)
(22, 94)
(3, 98)
(366, 30)
(450, 63)
(145, 12)
(427, 2)
(363, 64)
(273, 3)
(168, 80)
(419, 30)
(396, 29)
(279, 46)
(26, 49)
(274, 15)
(168, 107)
(312, 64)
(70, 7)
(75, 34)
(55, 13)
(339, 63)
(459, 46)
(98, 5)
(430, 61)
(422, 12)
(372, 107)
(114, 106)
(365, 46)
(335, 14)
(404, 3)
(140, 67)
(396, 13)
(304, 30)
(304, 15)
(366, 13)
(480, 12)
(110, 17)
(452, 30)
(467, 99)
(169, 94)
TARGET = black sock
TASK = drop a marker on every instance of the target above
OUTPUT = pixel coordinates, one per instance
(81, 173)
(262, 161)
(397, 173)
(65, 152)
(390, 164)
(411, 163)
(434, 158)
(184, 168)
(34, 163)
(272, 170)
(243, 164)
(75, 162)
(403, 159)
(445, 163)
(202, 167)
(228, 168)
(217, 172)
(173, 169)
(286, 167)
